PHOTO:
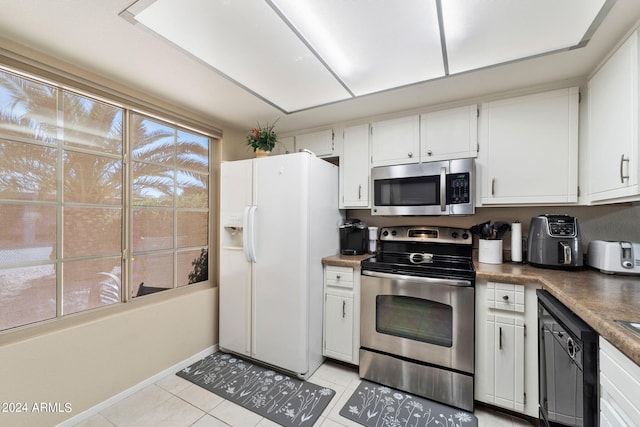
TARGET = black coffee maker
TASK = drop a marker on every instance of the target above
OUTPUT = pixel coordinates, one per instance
(354, 239)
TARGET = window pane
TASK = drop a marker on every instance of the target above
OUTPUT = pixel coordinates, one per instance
(193, 151)
(192, 267)
(91, 231)
(152, 229)
(193, 190)
(27, 108)
(155, 271)
(153, 185)
(28, 171)
(192, 229)
(27, 295)
(90, 283)
(28, 233)
(92, 179)
(152, 141)
(92, 124)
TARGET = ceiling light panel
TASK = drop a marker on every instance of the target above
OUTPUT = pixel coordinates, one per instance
(250, 44)
(371, 45)
(487, 32)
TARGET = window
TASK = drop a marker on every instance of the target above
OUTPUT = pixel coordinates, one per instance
(170, 206)
(71, 239)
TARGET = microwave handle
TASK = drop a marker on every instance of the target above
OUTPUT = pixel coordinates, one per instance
(443, 189)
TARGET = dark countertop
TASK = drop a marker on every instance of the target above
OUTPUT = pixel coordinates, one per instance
(598, 298)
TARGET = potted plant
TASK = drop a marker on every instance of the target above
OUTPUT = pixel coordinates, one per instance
(262, 139)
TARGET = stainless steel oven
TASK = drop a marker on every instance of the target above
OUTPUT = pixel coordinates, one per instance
(417, 314)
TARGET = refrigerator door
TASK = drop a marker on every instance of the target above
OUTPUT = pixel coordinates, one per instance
(236, 197)
(280, 291)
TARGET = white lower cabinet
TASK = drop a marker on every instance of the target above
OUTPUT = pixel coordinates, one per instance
(338, 309)
(341, 332)
(506, 385)
(506, 348)
(619, 388)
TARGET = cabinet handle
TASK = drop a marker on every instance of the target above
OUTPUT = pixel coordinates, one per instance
(493, 186)
(500, 338)
(344, 306)
(410, 154)
(429, 152)
(360, 192)
(337, 277)
(505, 297)
(622, 176)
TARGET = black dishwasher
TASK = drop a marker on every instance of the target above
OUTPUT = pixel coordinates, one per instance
(568, 366)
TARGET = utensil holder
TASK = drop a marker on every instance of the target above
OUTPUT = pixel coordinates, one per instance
(490, 251)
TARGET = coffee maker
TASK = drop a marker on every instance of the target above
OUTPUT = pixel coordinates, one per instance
(354, 237)
(555, 242)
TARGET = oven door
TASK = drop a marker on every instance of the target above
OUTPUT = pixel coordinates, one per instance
(425, 319)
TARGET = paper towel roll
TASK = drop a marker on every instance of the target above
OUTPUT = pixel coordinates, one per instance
(516, 242)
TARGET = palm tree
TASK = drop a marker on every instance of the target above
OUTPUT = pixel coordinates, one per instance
(90, 158)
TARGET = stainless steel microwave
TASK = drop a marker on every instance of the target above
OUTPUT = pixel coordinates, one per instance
(433, 188)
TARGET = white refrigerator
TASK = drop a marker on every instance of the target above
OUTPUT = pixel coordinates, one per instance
(278, 218)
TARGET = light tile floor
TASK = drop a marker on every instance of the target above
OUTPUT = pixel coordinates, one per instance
(175, 402)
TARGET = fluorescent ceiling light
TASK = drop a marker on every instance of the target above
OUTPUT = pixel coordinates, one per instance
(484, 33)
(300, 54)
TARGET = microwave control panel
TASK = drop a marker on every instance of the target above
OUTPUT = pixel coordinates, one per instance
(458, 188)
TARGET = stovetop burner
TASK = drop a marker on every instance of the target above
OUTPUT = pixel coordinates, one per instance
(438, 252)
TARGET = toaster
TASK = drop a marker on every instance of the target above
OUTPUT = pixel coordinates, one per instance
(614, 257)
(555, 242)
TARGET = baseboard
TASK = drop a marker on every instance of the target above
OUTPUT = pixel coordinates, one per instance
(128, 392)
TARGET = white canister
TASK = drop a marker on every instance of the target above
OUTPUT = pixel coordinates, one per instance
(490, 251)
(373, 239)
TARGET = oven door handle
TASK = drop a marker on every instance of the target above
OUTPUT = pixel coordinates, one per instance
(430, 280)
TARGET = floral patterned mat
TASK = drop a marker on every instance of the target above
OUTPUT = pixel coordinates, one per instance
(374, 405)
(278, 397)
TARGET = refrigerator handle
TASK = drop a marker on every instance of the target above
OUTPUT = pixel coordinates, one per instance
(246, 231)
(252, 235)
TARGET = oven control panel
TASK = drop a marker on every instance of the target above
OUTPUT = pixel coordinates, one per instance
(459, 236)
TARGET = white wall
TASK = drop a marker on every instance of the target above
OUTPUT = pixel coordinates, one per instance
(95, 356)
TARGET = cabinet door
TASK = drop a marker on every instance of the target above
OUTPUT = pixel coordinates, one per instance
(449, 134)
(395, 141)
(613, 125)
(619, 387)
(355, 167)
(284, 146)
(320, 143)
(529, 149)
(508, 362)
(338, 326)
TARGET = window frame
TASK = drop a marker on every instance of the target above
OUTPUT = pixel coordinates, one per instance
(65, 82)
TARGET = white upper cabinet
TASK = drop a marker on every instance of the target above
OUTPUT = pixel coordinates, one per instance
(528, 151)
(284, 146)
(321, 143)
(449, 134)
(613, 127)
(355, 167)
(395, 141)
